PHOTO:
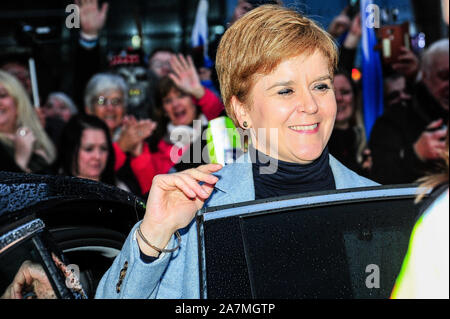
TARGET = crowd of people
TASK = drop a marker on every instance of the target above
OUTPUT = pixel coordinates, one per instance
(127, 132)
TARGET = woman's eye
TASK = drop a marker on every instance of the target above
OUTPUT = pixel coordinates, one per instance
(285, 91)
(322, 87)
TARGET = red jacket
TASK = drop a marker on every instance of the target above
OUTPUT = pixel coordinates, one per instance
(148, 164)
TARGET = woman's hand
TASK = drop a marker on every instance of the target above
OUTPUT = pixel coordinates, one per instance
(354, 34)
(339, 24)
(24, 140)
(133, 134)
(185, 76)
(30, 275)
(172, 203)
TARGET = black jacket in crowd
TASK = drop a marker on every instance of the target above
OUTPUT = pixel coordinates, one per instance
(394, 134)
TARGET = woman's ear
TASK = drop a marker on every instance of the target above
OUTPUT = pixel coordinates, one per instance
(240, 112)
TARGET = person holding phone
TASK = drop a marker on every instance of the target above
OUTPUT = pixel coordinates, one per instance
(406, 142)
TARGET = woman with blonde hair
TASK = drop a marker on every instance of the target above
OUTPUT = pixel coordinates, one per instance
(25, 147)
(275, 68)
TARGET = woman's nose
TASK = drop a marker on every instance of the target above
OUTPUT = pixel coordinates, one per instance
(307, 104)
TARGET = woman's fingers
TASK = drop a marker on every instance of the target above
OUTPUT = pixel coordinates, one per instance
(182, 185)
(183, 62)
(209, 168)
(201, 176)
(176, 65)
(194, 186)
(188, 181)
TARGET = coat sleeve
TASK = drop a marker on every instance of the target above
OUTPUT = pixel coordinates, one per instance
(131, 278)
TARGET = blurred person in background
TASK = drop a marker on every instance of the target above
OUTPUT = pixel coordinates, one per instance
(106, 97)
(17, 66)
(395, 91)
(86, 151)
(25, 147)
(159, 61)
(60, 105)
(406, 142)
(348, 140)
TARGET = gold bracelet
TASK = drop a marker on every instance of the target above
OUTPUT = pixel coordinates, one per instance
(159, 249)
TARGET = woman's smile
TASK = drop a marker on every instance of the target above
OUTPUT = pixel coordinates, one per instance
(305, 129)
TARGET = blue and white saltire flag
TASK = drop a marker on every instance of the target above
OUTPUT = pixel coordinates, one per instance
(200, 30)
(372, 74)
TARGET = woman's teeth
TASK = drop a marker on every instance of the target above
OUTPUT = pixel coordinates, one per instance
(303, 127)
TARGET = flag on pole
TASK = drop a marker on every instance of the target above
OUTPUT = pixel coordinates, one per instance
(372, 74)
(199, 37)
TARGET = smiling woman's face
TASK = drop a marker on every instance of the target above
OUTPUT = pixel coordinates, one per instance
(179, 107)
(297, 100)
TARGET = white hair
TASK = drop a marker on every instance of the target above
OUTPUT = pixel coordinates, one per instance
(437, 48)
(65, 99)
(101, 83)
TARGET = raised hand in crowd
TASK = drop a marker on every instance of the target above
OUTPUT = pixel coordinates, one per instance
(354, 33)
(407, 64)
(173, 201)
(340, 24)
(30, 276)
(134, 132)
(92, 18)
(185, 75)
(431, 142)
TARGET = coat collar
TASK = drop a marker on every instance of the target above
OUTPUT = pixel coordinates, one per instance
(236, 180)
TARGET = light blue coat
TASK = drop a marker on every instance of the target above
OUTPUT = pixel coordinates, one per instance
(176, 275)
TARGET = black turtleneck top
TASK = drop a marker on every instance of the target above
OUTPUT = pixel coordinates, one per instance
(291, 178)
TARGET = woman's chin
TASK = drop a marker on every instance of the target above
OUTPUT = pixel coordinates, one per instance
(302, 157)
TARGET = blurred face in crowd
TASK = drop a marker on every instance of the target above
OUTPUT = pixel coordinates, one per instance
(110, 107)
(241, 8)
(57, 108)
(395, 92)
(21, 73)
(93, 154)
(8, 111)
(344, 100)
(436, 79)
(179, 107)
(301, 106)
(160, 63)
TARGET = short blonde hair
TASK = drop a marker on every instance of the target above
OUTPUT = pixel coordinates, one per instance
(259, 41)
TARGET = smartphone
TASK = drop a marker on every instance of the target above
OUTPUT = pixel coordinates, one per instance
(392, 38)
